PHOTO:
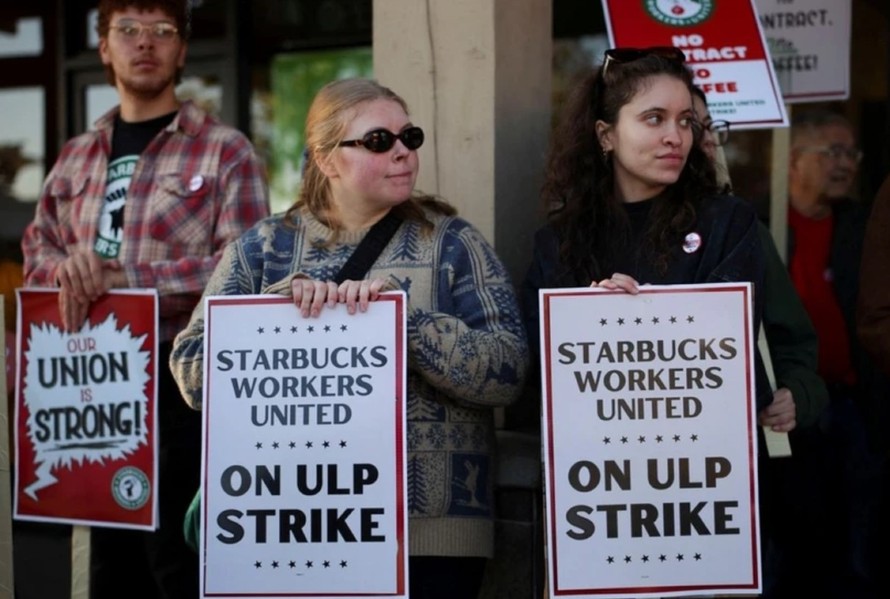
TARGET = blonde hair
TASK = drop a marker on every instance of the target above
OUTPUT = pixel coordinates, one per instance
(326, 124)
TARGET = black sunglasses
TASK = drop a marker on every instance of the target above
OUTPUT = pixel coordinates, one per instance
(382, 140)
(621, 55)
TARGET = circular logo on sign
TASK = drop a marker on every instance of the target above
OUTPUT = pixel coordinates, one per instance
(130, 488)
(679, 12)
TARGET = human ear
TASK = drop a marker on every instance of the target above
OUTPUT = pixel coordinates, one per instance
(325, 164)
(604, 135)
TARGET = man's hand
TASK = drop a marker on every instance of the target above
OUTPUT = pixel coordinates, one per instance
(81, 276)
(73, 310)
(781, 415)
(84, 278)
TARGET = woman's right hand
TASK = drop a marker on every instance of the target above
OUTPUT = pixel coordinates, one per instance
(619, 281)
(311, 296)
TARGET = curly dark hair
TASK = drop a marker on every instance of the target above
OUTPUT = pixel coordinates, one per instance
(579, 183)
(178, 10)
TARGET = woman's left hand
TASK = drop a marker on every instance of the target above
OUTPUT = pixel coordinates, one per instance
(359, 293)
(619, 281)
(781, 414)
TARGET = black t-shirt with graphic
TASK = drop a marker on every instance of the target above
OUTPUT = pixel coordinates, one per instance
(128, 141)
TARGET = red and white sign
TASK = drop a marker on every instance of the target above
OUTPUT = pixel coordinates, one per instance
(304, 460)
(809, 41)
(85, 418)
(649, 432)
(724, 47)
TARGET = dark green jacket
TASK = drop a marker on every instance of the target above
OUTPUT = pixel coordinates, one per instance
(790, 335)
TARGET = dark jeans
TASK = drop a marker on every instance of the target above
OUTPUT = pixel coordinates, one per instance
(445, 577)
(156, 565)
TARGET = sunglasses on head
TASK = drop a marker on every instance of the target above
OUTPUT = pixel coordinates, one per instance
(622, 55)
(382, 140)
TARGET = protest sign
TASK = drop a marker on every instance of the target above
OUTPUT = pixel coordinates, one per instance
(649, 434)
(86, 448)
(724, 48)
(809, 42)
(303, 468)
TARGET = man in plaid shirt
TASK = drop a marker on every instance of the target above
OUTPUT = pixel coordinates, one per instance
(147, 199)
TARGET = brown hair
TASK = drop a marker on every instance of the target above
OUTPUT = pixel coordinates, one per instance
(579, 179)
(178, 10)
(326, 123)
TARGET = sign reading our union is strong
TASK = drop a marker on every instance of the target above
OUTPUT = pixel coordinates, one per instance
(649, 436)
(304, 457)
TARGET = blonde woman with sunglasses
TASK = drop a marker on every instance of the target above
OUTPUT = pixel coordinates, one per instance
(467, 352)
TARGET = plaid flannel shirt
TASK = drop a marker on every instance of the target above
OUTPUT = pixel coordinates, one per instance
(197, 186)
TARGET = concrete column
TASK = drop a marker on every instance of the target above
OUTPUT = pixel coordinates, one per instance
(477, 77)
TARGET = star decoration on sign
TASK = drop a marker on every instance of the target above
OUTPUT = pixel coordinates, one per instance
(309, 564)
(624, 439)
(662, 558)
(659, 438)
(293, 329)
(603, 322)
(690, 318)
(343, 327)
(326, 564)
(645, 559)
(620, 322)
(310, 329)
(342, 563)
(308, 444)
(292, 564)
(693, 437)
(642, 439)
(655, 320)
(257, 565)
(610, 560)
(327, 328)
(277, 330)
(261, 330)
(638, 320)
(342, 443)
(274, 565)
(697, 557)
(627, 559)
(259, 445)
(676, 438)
(606, 440)
(673, 319)
(274, 444)
(292, 444)
(679, 557)
(326, 444)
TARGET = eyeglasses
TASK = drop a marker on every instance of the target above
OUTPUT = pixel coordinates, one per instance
(382, 140)
(720, 131)
(622, 55)
(836, 152)
(132, 30)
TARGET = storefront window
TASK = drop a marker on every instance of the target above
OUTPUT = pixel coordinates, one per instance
(24, 39)
(279, 106)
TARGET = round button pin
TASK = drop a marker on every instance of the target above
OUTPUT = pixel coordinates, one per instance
(196, 183)
(692, 242)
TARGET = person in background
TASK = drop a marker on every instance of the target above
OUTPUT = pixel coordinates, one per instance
(467, 352)
(796, 540)
(873, 325)
(790, 334)
(825, 235)
(147, 199)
